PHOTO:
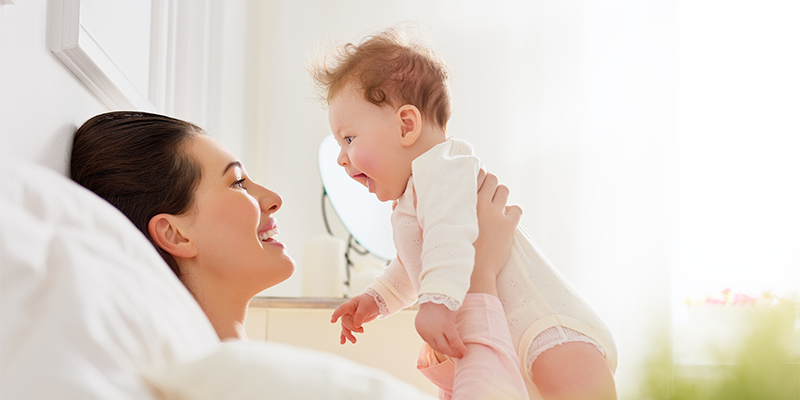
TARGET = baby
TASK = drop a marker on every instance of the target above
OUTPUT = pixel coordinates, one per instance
(388, 107)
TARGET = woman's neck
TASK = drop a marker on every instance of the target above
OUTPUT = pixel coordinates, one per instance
(228, 320)
(226, 311)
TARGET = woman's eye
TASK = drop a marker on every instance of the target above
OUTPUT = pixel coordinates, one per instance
(348, 139)
(239, 184)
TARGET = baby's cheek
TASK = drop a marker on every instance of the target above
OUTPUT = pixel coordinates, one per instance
(368, 162)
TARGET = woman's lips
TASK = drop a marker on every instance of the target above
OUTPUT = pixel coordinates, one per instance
(268, 232)
(268, 238)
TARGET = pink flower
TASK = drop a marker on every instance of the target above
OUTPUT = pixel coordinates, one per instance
(743, 300)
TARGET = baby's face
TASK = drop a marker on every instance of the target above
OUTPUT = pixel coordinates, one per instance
(371, 151)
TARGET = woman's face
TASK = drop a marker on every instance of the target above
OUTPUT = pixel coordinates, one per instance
(233, 225)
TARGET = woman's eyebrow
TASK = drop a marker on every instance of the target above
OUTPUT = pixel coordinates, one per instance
(231, 165)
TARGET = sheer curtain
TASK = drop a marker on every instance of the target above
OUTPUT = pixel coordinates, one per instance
(651, 144)
(737, 197)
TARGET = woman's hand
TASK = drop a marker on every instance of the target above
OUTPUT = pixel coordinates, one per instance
(496, 223)
(354, 313)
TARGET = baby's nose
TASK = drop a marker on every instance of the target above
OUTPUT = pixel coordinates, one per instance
(342, 159)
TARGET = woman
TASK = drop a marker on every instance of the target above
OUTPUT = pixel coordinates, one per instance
(216, 228)
(192, 199)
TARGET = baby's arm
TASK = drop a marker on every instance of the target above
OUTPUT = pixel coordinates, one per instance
(445, 186)
(490, 369)
(390, 292)
(354, 313)
(435, 323)
(446, 189)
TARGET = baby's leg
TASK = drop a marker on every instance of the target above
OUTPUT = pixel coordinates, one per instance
(560, 362)
(573, 370)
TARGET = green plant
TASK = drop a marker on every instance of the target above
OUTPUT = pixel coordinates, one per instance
(762, 365)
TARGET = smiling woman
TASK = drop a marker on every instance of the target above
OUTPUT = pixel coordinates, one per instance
(225, 243)
(194, 201)
(229, 211)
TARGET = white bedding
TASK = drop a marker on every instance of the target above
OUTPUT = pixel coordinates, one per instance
(87, 308)
(85, 300)
(259, 370)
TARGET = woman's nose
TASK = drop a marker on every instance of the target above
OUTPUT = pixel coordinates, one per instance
(269, 200)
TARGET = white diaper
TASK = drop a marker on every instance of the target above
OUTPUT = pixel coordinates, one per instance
(554, 336)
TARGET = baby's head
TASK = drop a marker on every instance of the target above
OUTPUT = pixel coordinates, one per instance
(391, 69)
(388, 102)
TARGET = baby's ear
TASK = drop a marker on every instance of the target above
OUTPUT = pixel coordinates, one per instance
(410, 120)
(165, 230)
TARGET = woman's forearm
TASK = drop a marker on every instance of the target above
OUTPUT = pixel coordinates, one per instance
(483, 282)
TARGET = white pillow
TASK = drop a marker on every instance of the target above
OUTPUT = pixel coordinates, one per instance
(262, 370)
(85, 299)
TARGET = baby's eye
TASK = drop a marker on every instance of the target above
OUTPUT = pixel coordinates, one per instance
(348, 139)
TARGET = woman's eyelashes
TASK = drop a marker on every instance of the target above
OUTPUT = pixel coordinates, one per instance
(239, 184)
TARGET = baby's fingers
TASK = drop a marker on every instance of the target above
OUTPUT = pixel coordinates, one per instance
(455, 343)
(336, 314)
(349, 324)
(345, 336)
(443, 346)
(346, 308)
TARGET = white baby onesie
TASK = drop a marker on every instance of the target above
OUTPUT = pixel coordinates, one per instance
(434, 226)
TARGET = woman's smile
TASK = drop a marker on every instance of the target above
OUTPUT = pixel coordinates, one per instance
(268, 232)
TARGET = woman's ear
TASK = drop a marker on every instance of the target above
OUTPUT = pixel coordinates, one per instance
(165, 231)
(410, 120)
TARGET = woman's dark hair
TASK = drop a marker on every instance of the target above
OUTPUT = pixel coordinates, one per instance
(138, 162)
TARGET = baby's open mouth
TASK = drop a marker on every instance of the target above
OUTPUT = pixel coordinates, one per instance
(364, 180)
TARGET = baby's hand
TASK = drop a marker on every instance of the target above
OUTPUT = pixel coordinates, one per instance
(354, 312)
(436, 325)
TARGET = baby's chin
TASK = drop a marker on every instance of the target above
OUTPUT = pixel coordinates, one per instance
(384, 197)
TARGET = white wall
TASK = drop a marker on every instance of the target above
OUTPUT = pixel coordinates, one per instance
(41, 102)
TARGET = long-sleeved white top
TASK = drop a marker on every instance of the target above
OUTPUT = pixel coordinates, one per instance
(434, 225)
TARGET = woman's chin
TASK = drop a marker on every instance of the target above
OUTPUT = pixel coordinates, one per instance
(284, 271)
